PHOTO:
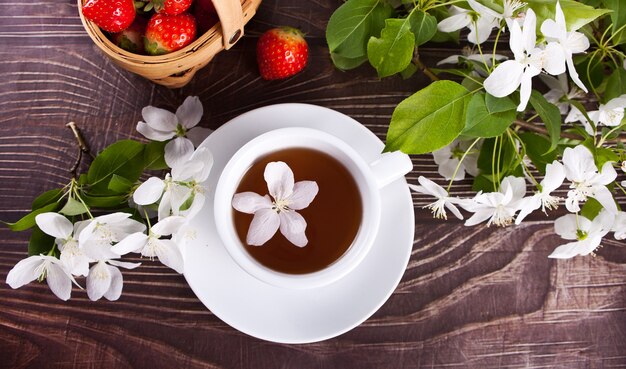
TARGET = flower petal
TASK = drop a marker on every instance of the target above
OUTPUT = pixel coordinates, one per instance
(169, 254)
(169, 225)
(279, 179)
(551, 30)
(178, 151)
(303, 194)
(159, 119)
(573, 73)
(529, 36)
(149, 192)
(555, 174)
(190, 112)
(453, 209)
(263, 227)
(479, 216)
(204, 156)
(196, 206)
(250, 202)
(447, 168)
(132, 243)
(98, 281)
(112, 218)
(117, 282)
(54, 224)
(123, 264)
(567, 251)
(504, 79)
(455, 22)
(292, 226)
(605, 198)
(526, 206)
(153, 134)
(607, 175)
(526, 86)
(432, 188)
(481, 29)
(553, 59)
(578, 162)
(566, 226)
(165, 205)
(25, 271)
(59, 281)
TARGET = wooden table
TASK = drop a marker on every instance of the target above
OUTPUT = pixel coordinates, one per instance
(471, 297)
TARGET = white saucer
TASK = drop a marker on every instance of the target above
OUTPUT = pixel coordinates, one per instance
(297, 316)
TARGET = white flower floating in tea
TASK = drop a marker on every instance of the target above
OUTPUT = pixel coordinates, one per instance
(269, 216)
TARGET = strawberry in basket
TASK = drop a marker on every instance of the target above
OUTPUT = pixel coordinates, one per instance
(111, 16)
(168, 7)
(167, 33)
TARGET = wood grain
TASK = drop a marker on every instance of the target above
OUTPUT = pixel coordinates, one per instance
(471, 297)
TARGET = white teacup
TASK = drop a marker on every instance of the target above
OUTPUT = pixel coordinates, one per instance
(369, 177)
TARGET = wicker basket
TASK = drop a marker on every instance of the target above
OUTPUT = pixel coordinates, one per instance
(176, 69)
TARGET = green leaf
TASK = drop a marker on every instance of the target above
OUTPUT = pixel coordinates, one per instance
(409, 71)
(122, 158)
(489, 151)
(499, 104)
(576, 13)
(429, 119)
(28, 221)
(537, 147)
(47, 198)
(596, 70)
(616, 85)
(352, 24)
(154, 155)
(95, 201)
(343, 63)
(480, 122)
(392, 52)
(603, 155)
(188, 202)
(39, 243)
(618, 18)
(550, 115)
(591, 208)
(423, 26)
(120, 185)
(73, 207)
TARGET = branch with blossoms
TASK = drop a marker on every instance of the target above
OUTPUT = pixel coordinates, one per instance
(70, 240)
(534, 102)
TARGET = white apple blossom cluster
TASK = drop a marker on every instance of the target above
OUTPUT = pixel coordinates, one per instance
(101, 241)
(509, 203)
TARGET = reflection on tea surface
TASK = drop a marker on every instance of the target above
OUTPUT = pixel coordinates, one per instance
(333, 218)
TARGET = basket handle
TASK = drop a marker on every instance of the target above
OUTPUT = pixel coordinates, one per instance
(231, 20)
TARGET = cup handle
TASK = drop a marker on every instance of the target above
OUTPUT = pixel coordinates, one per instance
(390, 166)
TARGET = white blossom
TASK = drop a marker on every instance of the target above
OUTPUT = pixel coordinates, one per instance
(281, 213)
(66, 239)
(151, 245)
(162, 125)
(105, 279)
(448, 158)
(103, 231)
(528, 63)
(480, 20)
(619, 226)
(438, 208)
(499, 207)
(181, 192)
(42, 266)
(560, 90)
(581, 170)
(569, 43)
(586, 234)
(555, 174)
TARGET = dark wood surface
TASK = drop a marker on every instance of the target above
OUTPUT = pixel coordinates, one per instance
(471, 297)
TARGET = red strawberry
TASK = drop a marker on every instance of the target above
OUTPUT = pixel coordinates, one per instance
(169, 7)
(131, 39)
(167, 33)
(110, 15)
(206, 15)
(281, 53)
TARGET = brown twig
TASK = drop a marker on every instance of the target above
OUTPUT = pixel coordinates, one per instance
(82, 147)
(422, 67)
